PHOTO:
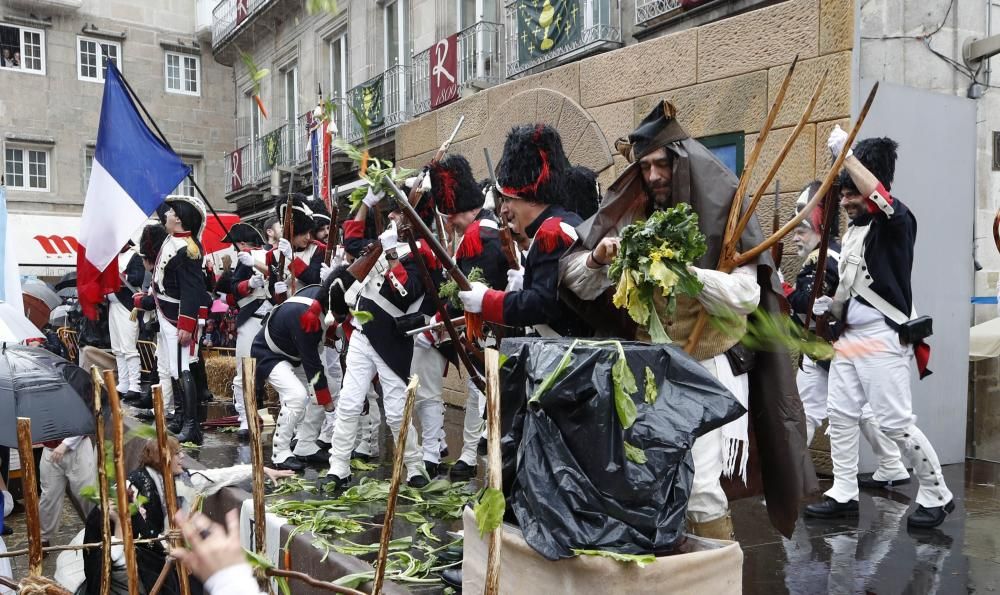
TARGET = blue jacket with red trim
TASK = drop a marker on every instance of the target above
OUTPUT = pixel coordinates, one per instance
(480, 248)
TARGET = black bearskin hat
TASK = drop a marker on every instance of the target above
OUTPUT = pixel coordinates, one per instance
(878, 155)
(246, 233)
(533, 164)
(321, 216)
(302, 215)
(583, 191)
(453, 187)
(151, 240)
(191, 212)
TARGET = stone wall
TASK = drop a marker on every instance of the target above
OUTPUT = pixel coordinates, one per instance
(722, 77)
(63, 111)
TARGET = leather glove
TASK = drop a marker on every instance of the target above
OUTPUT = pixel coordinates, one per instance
(257, 281)
(285, 247)
(371, 199)
(822, 305)
(324, 271)
(245, 258)
(836, 141)
(280, 287)
(472, 300)
(515, 279)
(389, 239)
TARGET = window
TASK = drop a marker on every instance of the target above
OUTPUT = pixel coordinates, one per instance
(26, 169)
(88, 52)
(186, 187)
(471, 12)
(183, 74)
(728, 148)
(338, 77)
(291, 109)
(88, 168)
(395, 36)
(22, 48)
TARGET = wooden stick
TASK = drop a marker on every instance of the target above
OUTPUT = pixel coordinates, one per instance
(69, 548)
(494, 477)
(102, 484)
(169, 488)
(754, 252)
(167, 567)
(737, 205)
(256, 456)
(29, 482)
(397, 479)
(311, 581)
(745, 219)
(118, 439)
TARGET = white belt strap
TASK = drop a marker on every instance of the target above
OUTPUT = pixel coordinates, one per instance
(274, 346)
(882, 305)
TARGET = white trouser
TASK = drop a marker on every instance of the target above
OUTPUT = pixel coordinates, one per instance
(368, 426)
(813, 383)
(473, 424)
(78, 469)
(124, 336)
(166, 348)
(429, 365)
(244, 341)
(708, 500)
(880, 376)
(300, 415)
(334, 378)
(163, 371)
(363, 363)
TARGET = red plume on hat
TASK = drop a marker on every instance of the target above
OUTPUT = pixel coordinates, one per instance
(453, 186)
(533, 164)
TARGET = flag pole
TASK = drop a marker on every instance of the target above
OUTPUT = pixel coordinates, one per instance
(163, 137)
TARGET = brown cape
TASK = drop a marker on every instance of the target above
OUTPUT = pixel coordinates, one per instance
(777, 420)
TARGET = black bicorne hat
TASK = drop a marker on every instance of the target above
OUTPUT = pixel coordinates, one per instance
(302, 215)
(658, 128)
(244, 232)
(533, 164)
(453, 187)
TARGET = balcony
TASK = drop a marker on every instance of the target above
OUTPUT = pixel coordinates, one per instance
(652, 12)
(230, 16)
(383, 98)
(480, 63)
(532, 35)
(252, 163)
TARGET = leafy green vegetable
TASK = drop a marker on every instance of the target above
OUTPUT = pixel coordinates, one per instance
(635, 454)
(362, 316)
(257, 561)
(773, 332)
(652, 263)
(144, 431)
(414, 517)
(624, 385)
(425, 530)
(489, 511)
(89, 493)
(191, 445)
(651, 390)
(356, 549)
(638, 559)
(359, 465)
(449, 289)
(550, 380)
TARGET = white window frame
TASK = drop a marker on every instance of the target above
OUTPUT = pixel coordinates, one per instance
(100, 55)
(401, 57)
(181, 70)
(42, 53)
(338, 89)
(88, 157)
(26, 150)
(186, 187)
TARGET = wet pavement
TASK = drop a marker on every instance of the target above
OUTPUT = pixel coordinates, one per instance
(875, 553)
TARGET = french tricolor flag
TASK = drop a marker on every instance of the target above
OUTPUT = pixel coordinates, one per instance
(133, 172)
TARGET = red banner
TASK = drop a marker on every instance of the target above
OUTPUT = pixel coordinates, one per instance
(444, 71)
(236, 170)
(241, 11)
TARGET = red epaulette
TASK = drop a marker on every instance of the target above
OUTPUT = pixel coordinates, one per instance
(552, 236)
(430, 259)
(472, 242)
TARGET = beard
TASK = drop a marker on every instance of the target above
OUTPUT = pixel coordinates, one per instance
(660, 194)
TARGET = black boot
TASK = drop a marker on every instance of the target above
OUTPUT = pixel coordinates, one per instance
(198, 372)
(829, 508)
(177, 419)
(191, 429)
(928, 518)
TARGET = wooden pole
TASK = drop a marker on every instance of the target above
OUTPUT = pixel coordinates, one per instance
(256, 456)
(29, 481)
(102, 484)
(169, 488)
(299, 576)
(118, 439)
(494, 477)
(397, 479)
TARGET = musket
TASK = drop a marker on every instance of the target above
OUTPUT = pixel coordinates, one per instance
(777, 250)
(457, 321)
(507, 245)
(474, 322)
(819, 276)
(464, 348)
(333, 240)
(288, 231)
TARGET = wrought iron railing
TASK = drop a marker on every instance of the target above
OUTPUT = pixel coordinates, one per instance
(647, 10)
(382, 99)
(229, 15)
(239, 169)
(600, 26)
(480, 63)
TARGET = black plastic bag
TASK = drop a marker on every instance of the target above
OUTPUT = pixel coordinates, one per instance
(567, 479)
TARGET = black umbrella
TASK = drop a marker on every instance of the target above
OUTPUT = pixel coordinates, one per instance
(53, 392)
(67, 280)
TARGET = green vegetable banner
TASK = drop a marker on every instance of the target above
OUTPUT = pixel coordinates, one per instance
(546, 25)
(369, 102)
